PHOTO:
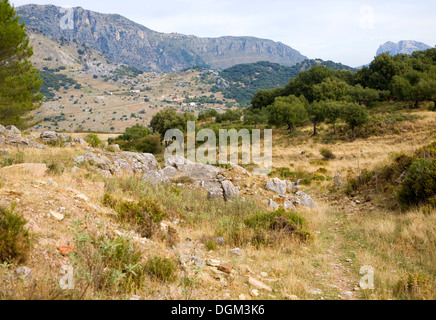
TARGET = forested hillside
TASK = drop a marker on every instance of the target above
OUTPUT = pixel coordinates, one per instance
(246, 79)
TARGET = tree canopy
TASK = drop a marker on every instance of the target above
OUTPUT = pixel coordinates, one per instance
(19, 80)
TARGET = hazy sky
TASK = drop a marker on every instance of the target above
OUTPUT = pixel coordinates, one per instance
(344, 31)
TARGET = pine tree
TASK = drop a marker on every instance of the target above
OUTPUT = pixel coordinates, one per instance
(19, 80)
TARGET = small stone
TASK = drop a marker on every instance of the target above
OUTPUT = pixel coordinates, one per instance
(236, 252)
(81, 197)
(23, 272)
(258, 284)
(79, 159)
(135, 298)
(291, 297)
(242, 297)
(273, 205)
(225, 269)
(338, 180)
(347, 293)
(349, 260)
(315, 292)
(66, 250)
(58, 216)
(220, 241)
(254, 293)
(213, 263)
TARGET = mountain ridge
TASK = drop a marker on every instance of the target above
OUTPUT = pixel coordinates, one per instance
(128, 42)
(402, 47)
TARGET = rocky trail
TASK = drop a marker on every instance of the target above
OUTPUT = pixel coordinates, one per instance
(53, 204)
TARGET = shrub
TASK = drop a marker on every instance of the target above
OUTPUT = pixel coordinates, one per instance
(327, 154)
(271, 227)
(269, 220)
(183, 179)
(109, 263)
(413, 286)
(14, 238)
(161, 268)
(419, 185)
(211, 245)
(145, 215)
(14, 159)
(148, 144)
(55, 168)
(93, 140)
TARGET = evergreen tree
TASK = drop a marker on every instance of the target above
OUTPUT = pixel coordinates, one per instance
(317, 114)
(355, 115)
(19, 80)
(289, 111)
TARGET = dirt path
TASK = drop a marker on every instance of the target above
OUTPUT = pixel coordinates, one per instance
(341, 279)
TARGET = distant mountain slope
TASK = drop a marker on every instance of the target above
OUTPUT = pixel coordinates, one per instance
(245, 80)
(405, 46)
(127, 42)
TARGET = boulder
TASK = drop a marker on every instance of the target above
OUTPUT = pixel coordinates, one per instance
(80, 141)
(197, 171)
(154, 176)
(306, 200)
(276, 185)
(215, 193)
(229, 190)
(272, 205)
(141, 162)
(32, 169)
(49, 136)
(288, 205)
(209, 184)
(13, 130)
(291, 187)
(100, 161)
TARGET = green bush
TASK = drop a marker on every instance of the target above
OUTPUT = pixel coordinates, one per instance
(55, 168)
(14, 238)
(269, 220)
(419, 185)
(144, 215)
(327, 154)
(93, 140)
(109, 263)
(147, 144)
(211, 245)
(161, 268)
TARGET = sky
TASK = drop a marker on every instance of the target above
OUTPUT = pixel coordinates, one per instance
(349, 32)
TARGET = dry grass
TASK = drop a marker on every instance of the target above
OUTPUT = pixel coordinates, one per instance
(400, 247)
(395, 245)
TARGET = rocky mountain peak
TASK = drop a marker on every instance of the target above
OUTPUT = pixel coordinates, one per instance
(127, 42)
(404, 46)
